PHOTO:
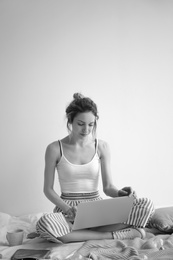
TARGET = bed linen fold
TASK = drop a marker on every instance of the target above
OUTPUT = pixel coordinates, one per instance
(151, 248)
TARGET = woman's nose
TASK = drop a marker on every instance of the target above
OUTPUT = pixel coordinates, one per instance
(85, 129)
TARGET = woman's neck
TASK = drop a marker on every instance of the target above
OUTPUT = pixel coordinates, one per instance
(79, 141)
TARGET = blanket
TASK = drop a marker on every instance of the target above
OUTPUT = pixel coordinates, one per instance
(153, 247)
(158, 247)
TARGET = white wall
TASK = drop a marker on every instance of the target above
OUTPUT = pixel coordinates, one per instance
(119, 53)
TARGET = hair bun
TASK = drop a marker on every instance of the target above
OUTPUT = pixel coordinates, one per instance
(77, 96)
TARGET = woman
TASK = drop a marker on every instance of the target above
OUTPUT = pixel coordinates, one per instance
(79, 158)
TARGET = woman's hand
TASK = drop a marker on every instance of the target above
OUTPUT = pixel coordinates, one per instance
(126, 191)
(71, 214)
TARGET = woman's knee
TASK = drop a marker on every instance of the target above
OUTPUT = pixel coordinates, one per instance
(144, 202)
(53, 226)
(150, 205)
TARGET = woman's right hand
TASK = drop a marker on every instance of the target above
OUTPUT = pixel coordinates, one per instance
(71, 213)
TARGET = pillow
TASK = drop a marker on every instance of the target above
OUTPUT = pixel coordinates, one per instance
(163, 219)
(4, 219)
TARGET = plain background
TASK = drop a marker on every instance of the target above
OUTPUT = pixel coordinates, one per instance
(117, 52)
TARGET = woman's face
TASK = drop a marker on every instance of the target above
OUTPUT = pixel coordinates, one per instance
(83, 124)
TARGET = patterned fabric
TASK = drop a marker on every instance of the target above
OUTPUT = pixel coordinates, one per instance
(141, 212)
(121, 250)
(106, 249)
(54, 225)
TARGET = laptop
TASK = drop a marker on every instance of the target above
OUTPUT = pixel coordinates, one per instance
(102, 212)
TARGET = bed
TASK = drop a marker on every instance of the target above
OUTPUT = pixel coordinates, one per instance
(154, 247)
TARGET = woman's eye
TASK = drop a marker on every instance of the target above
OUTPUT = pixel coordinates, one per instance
(84, 124)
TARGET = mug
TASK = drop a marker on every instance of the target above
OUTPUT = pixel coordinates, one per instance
(15, 238)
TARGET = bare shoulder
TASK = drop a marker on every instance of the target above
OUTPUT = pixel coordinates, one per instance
(103, 148)
(103, 144)
(53, 150)
(53, 146)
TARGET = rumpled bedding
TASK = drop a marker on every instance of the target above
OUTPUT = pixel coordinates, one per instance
(153, 247)
(27, 223)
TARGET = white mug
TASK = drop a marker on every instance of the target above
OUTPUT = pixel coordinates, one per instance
(15, 238)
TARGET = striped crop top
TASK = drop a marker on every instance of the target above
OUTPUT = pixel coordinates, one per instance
(74, 178)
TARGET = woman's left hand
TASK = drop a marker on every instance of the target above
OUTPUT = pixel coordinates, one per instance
(126, 191)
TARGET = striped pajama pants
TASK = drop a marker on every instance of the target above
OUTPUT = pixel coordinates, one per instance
(51, 226)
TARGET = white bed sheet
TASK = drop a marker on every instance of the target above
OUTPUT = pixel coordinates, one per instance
(28, 223)
(136, 248)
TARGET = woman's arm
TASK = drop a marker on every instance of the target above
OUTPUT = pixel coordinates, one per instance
(52, 156)
(108, 186)
(105, 158)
